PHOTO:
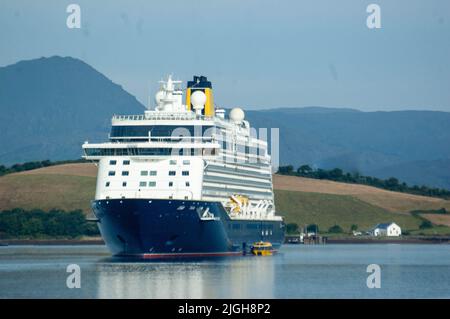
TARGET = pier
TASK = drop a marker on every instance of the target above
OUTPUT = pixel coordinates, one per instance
(306, 240)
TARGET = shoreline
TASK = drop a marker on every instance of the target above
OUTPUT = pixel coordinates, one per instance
(49, 242)
(414, 240)
(99, 241)
(377, 240)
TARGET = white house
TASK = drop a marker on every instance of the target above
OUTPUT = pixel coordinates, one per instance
(388, 229)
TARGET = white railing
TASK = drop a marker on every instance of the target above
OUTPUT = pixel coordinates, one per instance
(162, 116)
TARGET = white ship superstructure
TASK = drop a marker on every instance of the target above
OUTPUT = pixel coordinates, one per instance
(174, 152)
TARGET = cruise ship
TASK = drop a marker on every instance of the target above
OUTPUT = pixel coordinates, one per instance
(184, 179)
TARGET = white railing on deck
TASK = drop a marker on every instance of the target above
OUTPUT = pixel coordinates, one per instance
(162, 116)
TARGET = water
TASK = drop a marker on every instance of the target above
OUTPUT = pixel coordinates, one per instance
(298, 271)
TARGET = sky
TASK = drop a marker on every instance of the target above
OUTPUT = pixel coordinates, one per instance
(257, 53)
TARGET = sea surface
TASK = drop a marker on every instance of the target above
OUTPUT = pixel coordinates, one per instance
(297, 271)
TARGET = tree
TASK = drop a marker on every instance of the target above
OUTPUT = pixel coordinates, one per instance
(33, 227)
(336, 174)
(336, 229)
(286, 170)
(426, 224)
(312, 228)
(322, 174)
(18, 223)
(392, 183)
(292, 228)
(304, 170)
(353, 227)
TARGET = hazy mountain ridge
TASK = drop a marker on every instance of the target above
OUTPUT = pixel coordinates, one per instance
(366, 142)
(49, 106)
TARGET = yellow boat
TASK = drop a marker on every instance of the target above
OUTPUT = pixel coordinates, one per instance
(262, 249)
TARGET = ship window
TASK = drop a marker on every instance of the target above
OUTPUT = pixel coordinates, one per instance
(142, 184)
(152, 173)
(124, 184)
(158, 130)
(170, 184)
(126, 162)
(151, 184)
(186, 162)
(188, 184)
(111, 173)
(107, 184)
(144, 173)
(112, 162)
(125, 173)
(185, 173)
(173, 162)
(172, 173)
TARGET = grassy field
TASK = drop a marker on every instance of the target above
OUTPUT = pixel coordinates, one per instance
(435, 231)
(299, 200)
(388, 200)
(438, 219)
(46, 191)
(327, 210)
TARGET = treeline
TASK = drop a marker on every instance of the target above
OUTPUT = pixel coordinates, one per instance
(19, 223)
(34, 165)
(338, 175)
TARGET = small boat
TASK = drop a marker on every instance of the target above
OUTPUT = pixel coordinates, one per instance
(262, 248)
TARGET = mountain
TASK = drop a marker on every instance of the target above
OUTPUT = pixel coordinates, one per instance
(432, 172)
(410, 145)
(50, 106)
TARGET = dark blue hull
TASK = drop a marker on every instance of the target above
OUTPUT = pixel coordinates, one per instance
(174, 228)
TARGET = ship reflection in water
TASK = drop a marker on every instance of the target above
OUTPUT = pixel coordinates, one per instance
(298, 271)
(237, 277)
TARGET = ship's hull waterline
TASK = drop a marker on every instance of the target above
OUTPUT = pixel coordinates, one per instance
(162, 228)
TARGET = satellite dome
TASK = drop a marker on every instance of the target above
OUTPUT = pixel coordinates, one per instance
(159, 96)
(198, 100)
(237, 115)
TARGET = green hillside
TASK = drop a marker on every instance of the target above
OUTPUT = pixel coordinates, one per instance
(62, 187)
(28, 191)
(327, 210)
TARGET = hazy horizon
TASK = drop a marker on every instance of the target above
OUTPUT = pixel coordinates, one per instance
(259, 54)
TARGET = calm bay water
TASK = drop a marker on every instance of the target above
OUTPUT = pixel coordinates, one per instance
(298, 271)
